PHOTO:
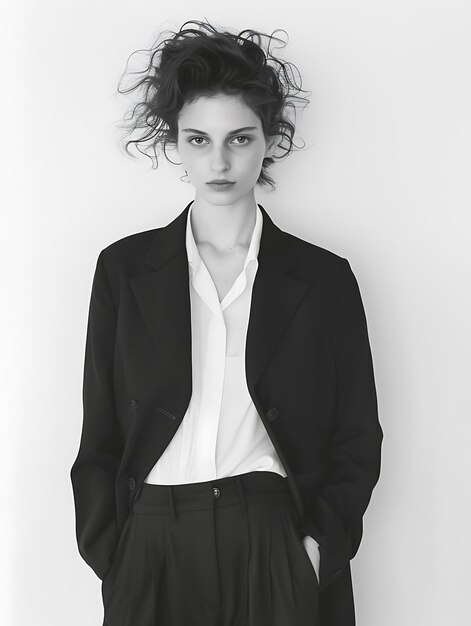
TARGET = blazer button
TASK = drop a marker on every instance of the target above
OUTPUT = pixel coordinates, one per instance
(272, 413)
(133, 406)
(131, 483)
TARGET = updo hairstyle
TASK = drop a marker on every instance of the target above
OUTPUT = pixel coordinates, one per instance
(205, 61)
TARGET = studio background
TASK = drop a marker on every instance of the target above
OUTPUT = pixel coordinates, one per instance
(383, 180)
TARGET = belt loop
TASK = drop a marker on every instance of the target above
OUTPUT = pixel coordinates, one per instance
(241, 495)
(172, 503)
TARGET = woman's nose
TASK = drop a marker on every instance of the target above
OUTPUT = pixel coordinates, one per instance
(219, 160)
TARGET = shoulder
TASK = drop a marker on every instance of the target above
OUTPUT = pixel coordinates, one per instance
(308, 251)
(315, 262)
(329, 273)
(128, 254)
(129, 245)
(125, 257)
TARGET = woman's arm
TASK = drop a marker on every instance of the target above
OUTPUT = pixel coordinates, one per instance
(334, 514)
(94, 470)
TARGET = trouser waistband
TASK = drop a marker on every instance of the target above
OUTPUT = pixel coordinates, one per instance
(242, 488)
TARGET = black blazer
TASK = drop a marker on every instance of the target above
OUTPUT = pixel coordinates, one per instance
(308, 368)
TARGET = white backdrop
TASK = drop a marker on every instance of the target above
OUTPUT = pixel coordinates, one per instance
(384, 180)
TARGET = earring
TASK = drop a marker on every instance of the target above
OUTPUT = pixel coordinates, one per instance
(185, 181)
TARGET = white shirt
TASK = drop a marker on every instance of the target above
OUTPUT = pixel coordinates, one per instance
(221, 433)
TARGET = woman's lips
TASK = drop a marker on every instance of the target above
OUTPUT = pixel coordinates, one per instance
(220, 186)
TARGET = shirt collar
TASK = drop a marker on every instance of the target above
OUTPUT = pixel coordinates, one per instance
(194, 258)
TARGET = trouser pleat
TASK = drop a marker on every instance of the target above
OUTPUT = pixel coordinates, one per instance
(221, 553)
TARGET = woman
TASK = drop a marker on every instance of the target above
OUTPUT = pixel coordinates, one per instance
(230, 437)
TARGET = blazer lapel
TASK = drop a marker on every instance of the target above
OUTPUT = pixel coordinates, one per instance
(163, 298)
(277, 293)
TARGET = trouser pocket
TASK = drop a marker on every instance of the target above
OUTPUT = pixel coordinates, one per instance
(121, 551)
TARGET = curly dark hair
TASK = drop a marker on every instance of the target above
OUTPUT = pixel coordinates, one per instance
(204, 61)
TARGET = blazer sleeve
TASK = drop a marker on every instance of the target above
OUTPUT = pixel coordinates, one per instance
(101, 446)
(333, 515)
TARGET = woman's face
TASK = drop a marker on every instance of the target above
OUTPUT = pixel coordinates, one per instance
(220, 137)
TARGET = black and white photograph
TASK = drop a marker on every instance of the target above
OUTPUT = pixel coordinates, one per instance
(235, 331)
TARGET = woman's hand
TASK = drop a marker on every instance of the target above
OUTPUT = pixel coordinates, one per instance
(312, 548)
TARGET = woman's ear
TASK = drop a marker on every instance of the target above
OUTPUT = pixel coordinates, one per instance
(272, 142)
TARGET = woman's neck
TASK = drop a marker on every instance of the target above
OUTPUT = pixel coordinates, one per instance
(223, 227)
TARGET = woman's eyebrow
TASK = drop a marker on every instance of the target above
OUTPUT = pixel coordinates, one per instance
(232, 132)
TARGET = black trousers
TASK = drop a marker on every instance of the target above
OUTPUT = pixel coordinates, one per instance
(224, 552)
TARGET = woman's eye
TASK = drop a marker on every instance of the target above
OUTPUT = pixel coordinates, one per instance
(246, 139)
(198, 143)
